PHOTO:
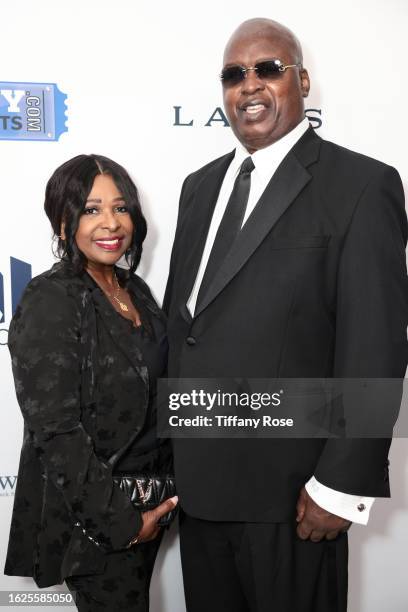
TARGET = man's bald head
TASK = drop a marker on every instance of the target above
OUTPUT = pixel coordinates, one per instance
(263, 107)
(260, 27)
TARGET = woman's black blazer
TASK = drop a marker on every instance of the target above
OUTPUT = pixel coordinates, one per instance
(67, 511)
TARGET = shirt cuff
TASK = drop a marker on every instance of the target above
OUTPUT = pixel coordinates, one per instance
(350, 507)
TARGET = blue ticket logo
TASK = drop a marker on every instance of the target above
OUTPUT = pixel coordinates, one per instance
(31, 111)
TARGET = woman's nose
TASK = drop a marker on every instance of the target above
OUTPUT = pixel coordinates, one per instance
(111, 221)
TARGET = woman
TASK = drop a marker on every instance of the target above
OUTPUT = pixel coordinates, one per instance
(87, 344)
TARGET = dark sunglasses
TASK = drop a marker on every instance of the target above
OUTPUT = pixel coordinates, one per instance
(267, 71)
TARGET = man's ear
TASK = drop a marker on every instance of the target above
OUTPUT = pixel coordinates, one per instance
(304, 82)
(62, 232)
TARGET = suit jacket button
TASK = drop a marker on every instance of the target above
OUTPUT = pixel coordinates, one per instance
(361, 507)
(191, 341)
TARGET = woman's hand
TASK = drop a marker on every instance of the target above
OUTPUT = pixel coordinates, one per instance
(150, 527)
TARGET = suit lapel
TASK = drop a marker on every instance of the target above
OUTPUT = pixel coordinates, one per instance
(285, 185)
(119, 330)
(205, 198)
(95, 300)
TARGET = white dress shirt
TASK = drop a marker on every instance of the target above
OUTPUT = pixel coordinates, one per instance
(266, 161)
(351, 507)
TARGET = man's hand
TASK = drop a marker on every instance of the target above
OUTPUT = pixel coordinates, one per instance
(150, 528)
(315, 523)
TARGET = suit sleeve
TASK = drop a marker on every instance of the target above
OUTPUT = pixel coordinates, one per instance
(371, 327)
(44, 342)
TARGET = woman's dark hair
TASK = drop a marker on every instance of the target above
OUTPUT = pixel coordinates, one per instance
(65, 197)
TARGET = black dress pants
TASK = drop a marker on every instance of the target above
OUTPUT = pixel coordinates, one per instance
(260, 567)
(124, 585)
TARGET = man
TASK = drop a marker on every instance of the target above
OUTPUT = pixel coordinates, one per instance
(311, 283)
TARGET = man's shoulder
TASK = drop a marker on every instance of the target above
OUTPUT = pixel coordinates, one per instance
(350, 177)
(340, 157)
(197, 175)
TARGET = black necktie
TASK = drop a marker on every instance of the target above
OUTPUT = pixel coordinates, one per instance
(230, 225)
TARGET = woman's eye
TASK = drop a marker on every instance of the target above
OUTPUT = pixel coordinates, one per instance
(91, 210)
(122, 208)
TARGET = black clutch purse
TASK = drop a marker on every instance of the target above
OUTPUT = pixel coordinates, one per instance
(148, 492)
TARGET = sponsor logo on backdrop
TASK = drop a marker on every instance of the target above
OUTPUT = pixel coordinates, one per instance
(31, 111)
(20, 275)
(7, 485)
(218, 117)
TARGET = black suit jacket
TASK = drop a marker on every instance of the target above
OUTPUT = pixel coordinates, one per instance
(315, 286)
(67, 511)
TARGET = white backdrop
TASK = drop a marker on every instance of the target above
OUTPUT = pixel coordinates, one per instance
(124, 66)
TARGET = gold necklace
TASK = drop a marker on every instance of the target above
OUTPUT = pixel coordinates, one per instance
(115, 297)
